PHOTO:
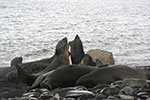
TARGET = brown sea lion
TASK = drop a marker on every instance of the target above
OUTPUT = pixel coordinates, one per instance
(66, 76)
(109, 75)
(77, 52)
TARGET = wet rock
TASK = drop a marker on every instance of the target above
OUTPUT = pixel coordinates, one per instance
(98, 88)
(105, 57)
(106, 91)
(100, 97)
(24, 98)
(45, 95)
(81, 94)
(126, 97)
(148, 98)
(32, 98)
(63, 91)
(127, 90)
(69, 99)
(143, 95)
(31, 94)
(110, 91)
(135, 83)
(113, 98)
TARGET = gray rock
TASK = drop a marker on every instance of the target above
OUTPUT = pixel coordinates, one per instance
(45, 95)
(110, 91)
(106, 91)
(63, 91)
(32, 98)
(100, 97)
(126, 97)
(82, 94)
(31, 94)
(148, 98)
(127, 90)
(135, 83)
(105, 57)
(143, 95)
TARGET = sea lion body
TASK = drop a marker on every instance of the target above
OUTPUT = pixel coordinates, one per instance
(77, 52)
(87, 60)
(66, 76)
(61, 57)
(109, 75)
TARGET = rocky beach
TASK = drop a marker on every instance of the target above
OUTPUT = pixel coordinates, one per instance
(74, 50)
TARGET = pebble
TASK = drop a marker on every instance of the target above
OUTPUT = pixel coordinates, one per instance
(126, 97)
(45, 95)
(127, 90)
(100, 97)
(82, 94)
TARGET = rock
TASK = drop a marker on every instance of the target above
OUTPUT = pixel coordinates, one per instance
(143, 95)
(112, 98)
(148, 98)
(106, 91)
(135, 83)
(32, 98)
(81, 94)
(31, 94)
(45, 95)
(127, 90)
(110, 91)
(69, 99)
(105, 57)
(100, 97)
(63, 91)
(126, 97)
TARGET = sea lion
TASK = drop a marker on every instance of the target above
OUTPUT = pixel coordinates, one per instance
(61, 58)
(16, 60)
(65, 76)
(109, 75)
(87, 60)
(77, 52)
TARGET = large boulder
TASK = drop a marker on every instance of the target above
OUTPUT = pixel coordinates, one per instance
(101, 56)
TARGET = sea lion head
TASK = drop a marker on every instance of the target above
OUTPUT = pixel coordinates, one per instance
(77, 52)
(16, 60)
(62, 48)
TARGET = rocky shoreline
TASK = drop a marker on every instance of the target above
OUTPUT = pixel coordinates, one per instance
(127, 89)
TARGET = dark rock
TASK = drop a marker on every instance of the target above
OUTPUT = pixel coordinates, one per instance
(63, 91)
(45, 95)
(81, 94)
(135, 83)
(100, 97)
(143, 95)
(126, 97)
(127, 90)
(110, 91)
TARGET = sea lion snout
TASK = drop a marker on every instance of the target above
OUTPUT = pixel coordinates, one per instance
(65, 39)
